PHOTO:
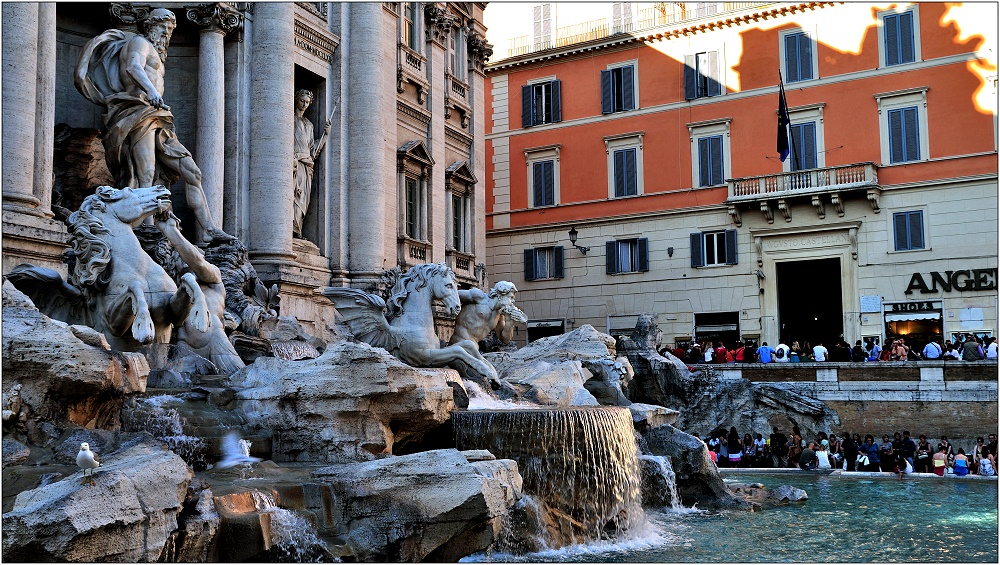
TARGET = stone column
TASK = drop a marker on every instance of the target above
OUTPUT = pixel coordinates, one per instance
(367, 125)
(272, 109)
(20, 37)
(45, 106)
(215, 21)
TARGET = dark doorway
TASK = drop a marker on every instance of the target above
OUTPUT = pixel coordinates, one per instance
(809, 301)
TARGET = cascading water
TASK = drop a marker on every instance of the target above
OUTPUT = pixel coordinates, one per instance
(665, 477)
(156, 416)
(580, 464)
(293, 538)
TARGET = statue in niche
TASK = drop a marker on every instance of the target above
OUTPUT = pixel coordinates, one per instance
(482, 313)
(178, 256)
(307, 150)
(123, 72)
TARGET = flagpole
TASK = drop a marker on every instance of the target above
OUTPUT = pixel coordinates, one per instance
(788, 126)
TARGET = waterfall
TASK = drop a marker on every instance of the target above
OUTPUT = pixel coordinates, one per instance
(664, 477)
(293, 538)
(580, 464)
(154, 415)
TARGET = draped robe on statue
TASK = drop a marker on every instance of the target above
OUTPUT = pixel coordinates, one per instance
(305, 144)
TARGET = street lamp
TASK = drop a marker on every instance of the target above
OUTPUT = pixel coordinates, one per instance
(572, 239)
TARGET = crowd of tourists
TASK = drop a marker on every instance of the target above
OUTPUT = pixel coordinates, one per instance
(852, 452)
(969, 347)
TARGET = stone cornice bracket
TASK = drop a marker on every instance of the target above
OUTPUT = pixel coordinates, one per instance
(219, 17)
(126, 16)
(786, 210)
(734, 212)
(820, 207)
(852, 233)
(765, 208)
(438, 23)
(873, 199)
(479, 51)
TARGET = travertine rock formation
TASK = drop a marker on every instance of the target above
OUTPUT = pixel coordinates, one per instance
(435, 506)
(127, 517)
(64, 381)
(353, 403)
(580, 368)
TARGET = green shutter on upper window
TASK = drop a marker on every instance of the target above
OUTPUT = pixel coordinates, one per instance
(690, 78)
(915, 223)
(529, 264)
(607, 103)
(556, 92)
(900, 225)
(610, 257)
(526, 104)
(628, 88)
(557, 253)
(697, 258)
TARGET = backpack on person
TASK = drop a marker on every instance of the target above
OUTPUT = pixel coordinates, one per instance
(779, 353)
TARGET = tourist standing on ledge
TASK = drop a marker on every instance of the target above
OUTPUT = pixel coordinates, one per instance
(933, 350)
(820, 353)
(850, 449)
(764, 353)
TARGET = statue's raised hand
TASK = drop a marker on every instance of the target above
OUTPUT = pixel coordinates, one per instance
(165, 220)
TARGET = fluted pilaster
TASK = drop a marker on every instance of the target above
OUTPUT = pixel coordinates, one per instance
(20, 36)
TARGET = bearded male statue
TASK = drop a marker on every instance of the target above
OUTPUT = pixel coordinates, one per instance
(123, 72)
(482, 313)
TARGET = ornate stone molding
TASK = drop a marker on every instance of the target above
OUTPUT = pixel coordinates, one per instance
(126, 16)
(219, 17)
(734, 212)
(765, 208)
(820, 207)
(418, 114)
(479, 52)
(437, 23)
(786, 209)
(317, 43)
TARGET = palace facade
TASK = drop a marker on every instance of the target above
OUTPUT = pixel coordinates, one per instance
(632, 167)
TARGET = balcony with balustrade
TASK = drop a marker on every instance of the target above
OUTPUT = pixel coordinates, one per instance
(822, 186)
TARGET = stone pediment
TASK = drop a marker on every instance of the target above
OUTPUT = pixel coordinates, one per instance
(460, 170)
(416, 151)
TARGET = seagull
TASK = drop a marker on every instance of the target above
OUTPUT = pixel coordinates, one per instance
(235, 451)
(87, 459)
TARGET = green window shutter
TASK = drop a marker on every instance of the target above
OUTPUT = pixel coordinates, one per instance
(526, 114)
(714, 84)
(690, 78)
(607, 104)
(900, 224)
(611, 258)
(555, 91)
(916, 229)
(731, 258)
(911, 134)
(697, 259)
(558, 260)
(628, 88)
(643, 251)
(529, 264)
(890, 31)
(906, 51)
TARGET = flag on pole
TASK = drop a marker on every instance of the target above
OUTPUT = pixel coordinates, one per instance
(783, 122)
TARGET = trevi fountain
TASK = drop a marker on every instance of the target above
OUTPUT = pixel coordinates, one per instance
(225, 431)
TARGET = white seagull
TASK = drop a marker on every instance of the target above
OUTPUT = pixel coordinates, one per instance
(235, 451)
(87, 459)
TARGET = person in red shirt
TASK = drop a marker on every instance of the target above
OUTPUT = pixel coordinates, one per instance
(720, 353)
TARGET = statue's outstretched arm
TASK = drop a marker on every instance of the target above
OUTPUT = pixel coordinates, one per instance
(206, 272)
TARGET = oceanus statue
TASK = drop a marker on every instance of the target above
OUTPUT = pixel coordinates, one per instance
(405, 325)
(114, 286)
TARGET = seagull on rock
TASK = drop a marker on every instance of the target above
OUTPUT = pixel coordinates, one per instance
(235, 451)
(87, 459)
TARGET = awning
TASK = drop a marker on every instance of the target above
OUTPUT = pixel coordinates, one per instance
(716, 328)
(909, 316)
(545, 324)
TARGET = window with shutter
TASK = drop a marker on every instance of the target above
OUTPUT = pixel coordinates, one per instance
(904, 135)
(607, 104)
(908, 230)
(702, 76)
(804, 140)
(690, 78)
(697, 255)
(555, 96)
(627, 256)
(543, 263)
(618, 89)
(898, 38)
(529, 264)
(610, 257)
(625, 172)
(710, 161)
(543, 26)
(731, 257)
(798, 57)
(713, 248)
(543, 184)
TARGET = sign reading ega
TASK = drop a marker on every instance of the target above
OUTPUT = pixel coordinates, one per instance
(968, 279)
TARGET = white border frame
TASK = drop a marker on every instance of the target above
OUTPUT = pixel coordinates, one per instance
(880, 26)
(811, 34)
(613, 143)
(533, 155)
(709, 128)
(805, 114)
(903, 99)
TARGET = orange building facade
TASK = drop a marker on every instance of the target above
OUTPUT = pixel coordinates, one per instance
(656, 151)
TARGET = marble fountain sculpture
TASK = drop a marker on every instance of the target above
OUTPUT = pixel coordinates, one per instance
(395, 456)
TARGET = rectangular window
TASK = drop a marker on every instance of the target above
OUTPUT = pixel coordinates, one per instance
(909, 230)
(898, 37)
(710, 161)
(798, 57)
(625, 172)
(621, 16)
(904, 135)
(541, 103)
(543, 26)
(543, 263)
(627, 256)
(412, 209)
(410, 25)
(701, 75)
(543, 185)
(618, 89)
(713, 248)
(804, 140)
(458, 223)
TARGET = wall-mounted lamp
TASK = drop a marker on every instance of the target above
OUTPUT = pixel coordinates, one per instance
(572, 239)
(759, 273)
(670, 252)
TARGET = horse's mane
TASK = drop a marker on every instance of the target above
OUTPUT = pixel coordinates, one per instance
(414, 279)
(91, 254)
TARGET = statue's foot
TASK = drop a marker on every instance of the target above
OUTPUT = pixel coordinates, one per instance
(216, 235)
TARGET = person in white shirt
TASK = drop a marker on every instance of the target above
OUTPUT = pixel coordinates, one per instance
(820, 353)
(991, 351)
(780, 353)
(822, 457)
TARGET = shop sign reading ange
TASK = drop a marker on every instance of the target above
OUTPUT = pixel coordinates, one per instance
(969, 279)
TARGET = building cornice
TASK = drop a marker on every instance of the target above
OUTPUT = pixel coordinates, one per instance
(657, 34)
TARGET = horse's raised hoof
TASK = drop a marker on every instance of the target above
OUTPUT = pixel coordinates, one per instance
(142, 329)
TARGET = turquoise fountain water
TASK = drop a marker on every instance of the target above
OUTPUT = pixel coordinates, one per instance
(844, 520)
